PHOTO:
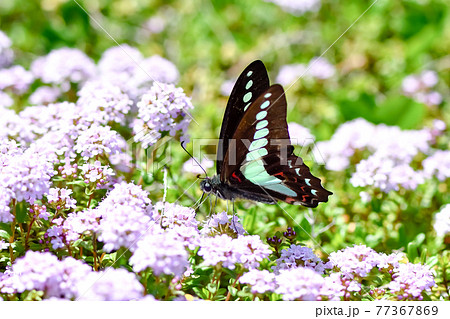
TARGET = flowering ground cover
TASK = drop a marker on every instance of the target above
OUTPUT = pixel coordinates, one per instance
(98, 201)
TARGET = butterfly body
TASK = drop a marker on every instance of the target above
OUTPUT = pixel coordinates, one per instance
(227, 192)
(255, 159)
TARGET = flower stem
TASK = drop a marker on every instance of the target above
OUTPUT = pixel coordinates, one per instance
(94, 251)
(234, 284)
(13, 230)
(28, 232)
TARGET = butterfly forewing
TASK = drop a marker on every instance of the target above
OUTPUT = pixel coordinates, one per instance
(260, 159)
(249, 86)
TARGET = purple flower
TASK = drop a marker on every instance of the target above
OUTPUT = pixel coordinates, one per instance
(227, 87)
(5, 101)
(335, 286)
(64, 66)
(103, 103)
(261, 281)
(356, 261)
(180, 219)
(320, 68)
(173, 215)
(348, 138)
(40, 211)
(222, 223)
(290, 73)
(299, 284)
(163, 110)
(298, 256)
(80, 223)
(119, 60)
(419, 87)
(437, 165)
(127, 194)
(390, 262)
(411, 280)
(442, 221)
(385, 174)
(218, 250)
(6, 54)
(16, 79)
(26, 173)
(122, 226)
(226, 251)
(300, 135)
(6, 196)
(110, 285)
(297, 7)
(384, 141)
(126, 216)
(250, 250)
(191, 166)
(44, 272)
(162, 251)
(36, 122)
(98, 141)
(68, 170)
(154, 25)
(59, 198)
(96, 174)
(45, 95)
(155, 69)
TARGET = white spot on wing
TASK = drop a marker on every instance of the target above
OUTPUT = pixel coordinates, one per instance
(261, 115)
(265, 104)
(261, 133)
(258, 144)
(261, 124)
(256, 154)
(247, 97)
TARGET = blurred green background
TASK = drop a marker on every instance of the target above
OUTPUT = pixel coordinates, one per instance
(212, 41)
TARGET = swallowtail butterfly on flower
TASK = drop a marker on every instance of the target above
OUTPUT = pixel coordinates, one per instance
(255, 159)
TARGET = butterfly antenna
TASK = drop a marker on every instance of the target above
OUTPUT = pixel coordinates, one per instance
(182, 145)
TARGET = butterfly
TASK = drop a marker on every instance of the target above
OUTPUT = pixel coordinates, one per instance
(255, 159)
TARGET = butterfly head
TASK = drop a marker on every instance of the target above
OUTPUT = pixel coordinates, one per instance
(206, 185)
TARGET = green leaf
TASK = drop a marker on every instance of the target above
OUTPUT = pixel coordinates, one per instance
(412, 251)
(4, 234)
(7, 229)
(233, 290)
(21, 212)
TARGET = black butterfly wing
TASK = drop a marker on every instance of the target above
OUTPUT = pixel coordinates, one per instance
(249, 86)
(260, 163)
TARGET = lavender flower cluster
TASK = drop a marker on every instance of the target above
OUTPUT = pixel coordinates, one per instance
(318, 68)
(298, 275)
(390, 164)
(420, 88)
(68, 279)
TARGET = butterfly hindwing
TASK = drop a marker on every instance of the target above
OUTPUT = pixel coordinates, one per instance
(249, 86)
(260, 162)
